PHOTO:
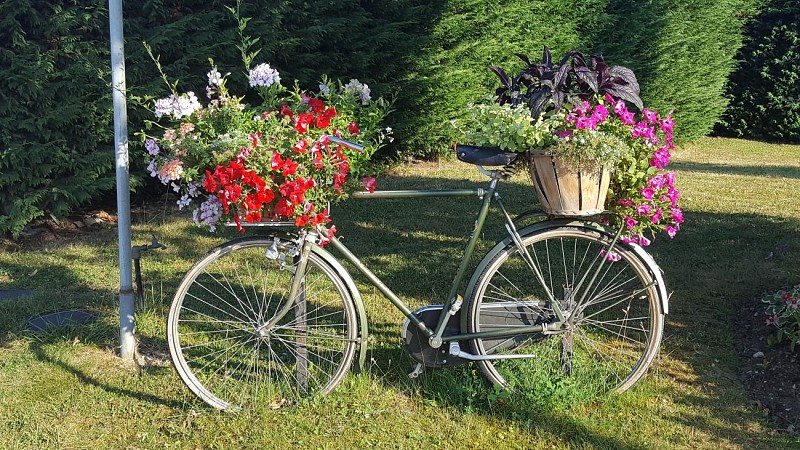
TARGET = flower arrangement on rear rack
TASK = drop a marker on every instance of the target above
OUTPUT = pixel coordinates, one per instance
(578, 111)
(275, 160)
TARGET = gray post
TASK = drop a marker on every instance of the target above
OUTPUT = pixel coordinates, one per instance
(126, 318)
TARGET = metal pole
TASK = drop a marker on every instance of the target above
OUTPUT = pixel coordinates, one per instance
(126, 301)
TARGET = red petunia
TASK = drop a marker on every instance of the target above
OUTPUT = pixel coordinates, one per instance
(277, 162)
(209, 183)
(265, 196)
(301, 146)
(286, 112)
(253, 216)
(302, 122)
(289, 167)
(301, 220)
(353, 128)
(283, 209)
(316, 105)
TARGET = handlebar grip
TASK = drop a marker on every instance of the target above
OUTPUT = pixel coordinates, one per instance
(344, 143)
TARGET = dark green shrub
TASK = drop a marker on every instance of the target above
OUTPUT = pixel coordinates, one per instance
(681, 51)
(764, 90)
(469, 36)
(55, 116)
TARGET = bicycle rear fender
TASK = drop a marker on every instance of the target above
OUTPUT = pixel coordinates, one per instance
(549, 224)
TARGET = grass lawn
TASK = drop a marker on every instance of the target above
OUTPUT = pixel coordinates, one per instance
(68, 390)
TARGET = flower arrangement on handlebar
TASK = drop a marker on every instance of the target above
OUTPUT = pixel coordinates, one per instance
(269, 161)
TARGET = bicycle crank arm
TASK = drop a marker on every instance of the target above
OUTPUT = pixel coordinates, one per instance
(455, 350)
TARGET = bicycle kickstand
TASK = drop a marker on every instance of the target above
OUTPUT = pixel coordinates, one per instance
(416, 371)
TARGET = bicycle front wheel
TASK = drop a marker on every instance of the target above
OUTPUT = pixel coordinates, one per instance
(229, 349)
(610, 300)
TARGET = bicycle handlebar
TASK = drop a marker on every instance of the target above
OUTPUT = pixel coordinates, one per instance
(344, 143)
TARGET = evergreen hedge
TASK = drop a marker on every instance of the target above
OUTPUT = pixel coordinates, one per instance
(56, 122)
(55, 116)
(764, 90)
(682, 51)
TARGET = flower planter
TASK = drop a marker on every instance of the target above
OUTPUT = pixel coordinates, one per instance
(562, 191)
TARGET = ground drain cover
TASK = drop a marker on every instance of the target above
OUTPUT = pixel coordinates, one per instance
(12, 294)
(58, 319)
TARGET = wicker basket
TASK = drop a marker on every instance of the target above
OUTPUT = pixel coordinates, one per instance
(562, 191)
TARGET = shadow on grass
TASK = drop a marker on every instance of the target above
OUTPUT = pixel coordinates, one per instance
(725, 169)
(38, 348)
(714, 265)
(57, 288)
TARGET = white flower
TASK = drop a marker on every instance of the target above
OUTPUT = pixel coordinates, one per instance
(324, 89)
(264, 75)
(177, 106)
(214, 78)
(358, 89)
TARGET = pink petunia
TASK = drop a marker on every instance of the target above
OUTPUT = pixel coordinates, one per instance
(656, 217)
(651, 116)
(673, 195)
(643, 210)
(671, 231)
(773, 319)
(657, 181)
(677, 215)
(667, 124)
(670, 178)
(600, 113)
(627, 118)
(648, 193)
(369, 184)
(620, 108)
(630, 222)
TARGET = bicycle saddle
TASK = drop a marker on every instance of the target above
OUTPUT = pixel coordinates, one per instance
(484, 156)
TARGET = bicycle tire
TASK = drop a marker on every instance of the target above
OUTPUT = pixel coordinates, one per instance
(213, 328)
(615, 334)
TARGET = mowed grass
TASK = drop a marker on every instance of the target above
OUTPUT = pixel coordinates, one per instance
(68, 389)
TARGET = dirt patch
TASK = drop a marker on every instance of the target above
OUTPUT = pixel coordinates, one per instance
(771, 373)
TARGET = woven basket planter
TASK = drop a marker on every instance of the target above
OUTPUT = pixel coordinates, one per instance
(563, 191)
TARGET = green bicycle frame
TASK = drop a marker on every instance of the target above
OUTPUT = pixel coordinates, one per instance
(436, 335)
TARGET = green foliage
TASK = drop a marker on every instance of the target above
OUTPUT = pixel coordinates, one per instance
(506, 128)
(469, 36)
(764, 90)
(682, 53)
(55, 123)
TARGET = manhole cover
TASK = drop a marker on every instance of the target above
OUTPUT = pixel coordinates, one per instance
(58, 319)
(12, 294)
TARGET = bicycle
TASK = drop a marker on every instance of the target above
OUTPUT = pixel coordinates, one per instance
(275, 319)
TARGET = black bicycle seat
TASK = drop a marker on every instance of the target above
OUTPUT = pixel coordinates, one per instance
(485, 156)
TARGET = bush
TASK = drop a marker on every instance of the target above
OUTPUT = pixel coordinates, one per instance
(469, 36)
(764, 90)
(55, 123)
(682, 53)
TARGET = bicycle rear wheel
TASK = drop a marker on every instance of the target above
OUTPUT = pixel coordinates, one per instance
(610, 299)
(221, 345)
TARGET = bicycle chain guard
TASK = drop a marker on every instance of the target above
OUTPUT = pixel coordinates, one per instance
(416, 343)
(499, 314)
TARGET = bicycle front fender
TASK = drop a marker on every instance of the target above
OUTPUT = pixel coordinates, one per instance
(354, 294)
